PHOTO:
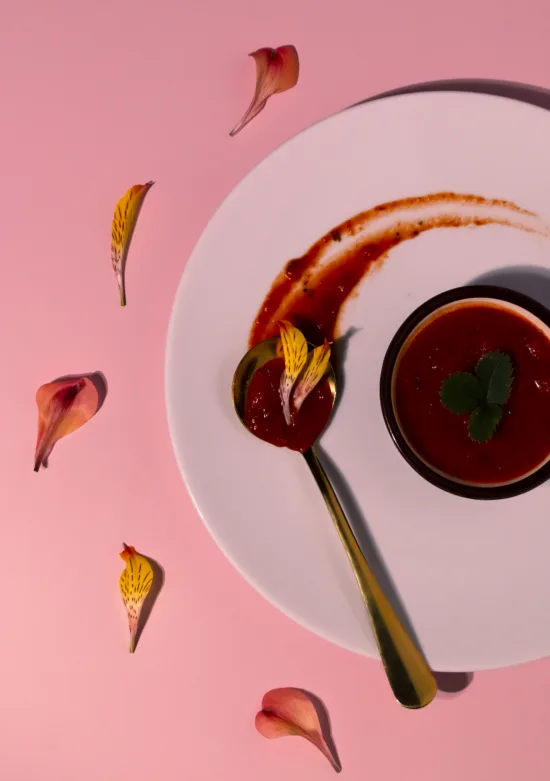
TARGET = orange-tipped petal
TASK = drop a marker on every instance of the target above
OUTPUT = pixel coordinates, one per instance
(295, 354)
(124, 221)
(276, 71)
(63, 407)
(292, 712)
(135, 583)
(314, 373)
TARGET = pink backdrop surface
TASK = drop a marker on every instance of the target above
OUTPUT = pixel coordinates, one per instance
(96, 97)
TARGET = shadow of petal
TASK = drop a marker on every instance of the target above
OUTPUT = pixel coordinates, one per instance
(98, 380)
(326, 728)
(339, 354)
(151, 598)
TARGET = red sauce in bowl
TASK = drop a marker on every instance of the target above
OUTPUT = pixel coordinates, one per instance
(264, 412)
(455, 341)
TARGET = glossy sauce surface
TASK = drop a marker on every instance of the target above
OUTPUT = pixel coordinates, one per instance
(264, 412)
(454, 342)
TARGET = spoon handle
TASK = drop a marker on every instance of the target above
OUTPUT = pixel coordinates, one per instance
(411, 679)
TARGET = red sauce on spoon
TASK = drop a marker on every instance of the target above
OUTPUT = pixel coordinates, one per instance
(264, 412)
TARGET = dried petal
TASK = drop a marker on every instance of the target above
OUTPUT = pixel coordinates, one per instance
(276, 71)
(314, 373)
(135, 583)
(295, 353)
(124, 221)
(63, 407)
(292, 712)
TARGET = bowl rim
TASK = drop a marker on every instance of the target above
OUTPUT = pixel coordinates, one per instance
(455, 295)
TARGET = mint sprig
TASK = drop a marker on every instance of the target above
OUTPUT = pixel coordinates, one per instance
(481, 394)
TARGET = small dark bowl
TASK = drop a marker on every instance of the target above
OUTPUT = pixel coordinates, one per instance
(501, 296)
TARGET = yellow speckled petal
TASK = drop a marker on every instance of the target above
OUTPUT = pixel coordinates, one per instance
(314, 373)
(295, 354)
(124, 221)
(135, 583)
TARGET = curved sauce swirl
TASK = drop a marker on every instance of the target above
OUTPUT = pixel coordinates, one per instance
(311, 291)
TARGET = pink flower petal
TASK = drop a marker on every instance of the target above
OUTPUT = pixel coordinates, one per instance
(63, 407)
(292, 711)
(276, 71)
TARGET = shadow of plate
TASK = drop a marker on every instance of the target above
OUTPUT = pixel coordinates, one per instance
(526, 93)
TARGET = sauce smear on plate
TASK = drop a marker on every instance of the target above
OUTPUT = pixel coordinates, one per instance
(312, 290)
(453, 342)
(264, 412)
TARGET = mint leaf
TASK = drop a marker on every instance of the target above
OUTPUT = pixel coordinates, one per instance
(483, 422)
(461, 393)
(495, 373)
(480, 394)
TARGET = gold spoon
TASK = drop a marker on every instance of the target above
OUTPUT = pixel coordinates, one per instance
(411, 679)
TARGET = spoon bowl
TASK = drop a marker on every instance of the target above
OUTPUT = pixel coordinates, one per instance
(255, 358)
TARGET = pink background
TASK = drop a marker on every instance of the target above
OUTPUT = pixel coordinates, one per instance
(96, 97)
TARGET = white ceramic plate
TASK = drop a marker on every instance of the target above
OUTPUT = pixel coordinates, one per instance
(472, 576)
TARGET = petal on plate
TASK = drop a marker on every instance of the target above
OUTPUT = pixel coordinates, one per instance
(63, 407)
(276, 71)
(292, 711)
(295, 354)
(313, 374)
(135, 583)
(124, 221)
